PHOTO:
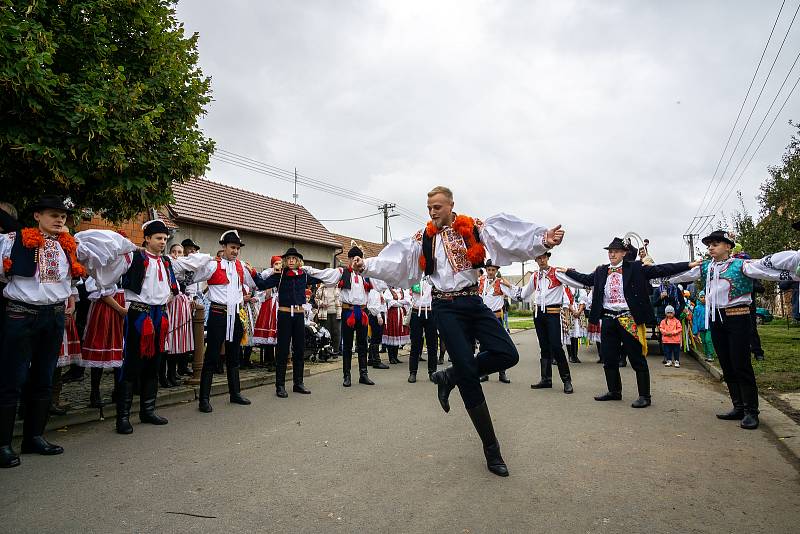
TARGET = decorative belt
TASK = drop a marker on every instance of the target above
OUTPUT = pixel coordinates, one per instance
(218, 306)
(553, 310)
(471, 291)
(33, 309)
(615, 314)
(736, 310)
(142, 307)
(346, 306)
(290, 309)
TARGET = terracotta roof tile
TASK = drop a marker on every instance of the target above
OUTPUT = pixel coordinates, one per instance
(203, 201)
(370, 249)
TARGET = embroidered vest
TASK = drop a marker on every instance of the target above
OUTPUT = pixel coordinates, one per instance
(220, 277)
(496, 291)
(133, 279)
(455, 247)
(734, 274)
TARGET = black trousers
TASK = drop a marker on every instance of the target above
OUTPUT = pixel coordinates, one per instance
(134, 366)
(548, 331)
(616, 343)
(360, 332)
(215, 337)
(334, 326)
(423, 324)
(29, 351)
(291, 328)
(731, 337)
(459, 321)
(755, 339)
(376, 330)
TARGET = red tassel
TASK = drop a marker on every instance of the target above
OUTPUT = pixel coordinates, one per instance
(364, 320)
(147, 339)
(162, 334)
(422, 263)
(351, 321)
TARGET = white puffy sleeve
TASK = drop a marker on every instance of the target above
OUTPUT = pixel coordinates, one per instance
(397, 264)
(329, 277)
(567, 281)
(374, 302)
(689, 276)
(778, 266)
(196, 267)
(509, 239)
(105, 253)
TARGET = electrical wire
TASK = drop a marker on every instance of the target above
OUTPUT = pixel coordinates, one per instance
(351, 219)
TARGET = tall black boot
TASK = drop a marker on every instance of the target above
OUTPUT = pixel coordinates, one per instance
(376, 357)
(392, 355)
(8, 458)
(573, 344)
(162, 371)
(297, 377)
(147, 403)
(280, 380)
(206, 379)
(363, 373)
(566, 378)
(445, 380)
(643, 384)
(614, 383)
(347, 362)
(235, 387)
(503, 377)
(33, 429)
(172, 371)
(183, 364)
(750, 403)
(124, 401)
(599, 352)
(738, 407)
(547, 375)
(491, 448)
(95, 375)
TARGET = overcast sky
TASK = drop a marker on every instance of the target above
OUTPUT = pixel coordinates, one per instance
(606, 117)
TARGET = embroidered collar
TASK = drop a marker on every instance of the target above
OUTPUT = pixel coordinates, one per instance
(33, 238)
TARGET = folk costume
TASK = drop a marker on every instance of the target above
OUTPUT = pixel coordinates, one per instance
(728, 291)
(395, 332)
(493, 293)
(226, 279)
(422, 322)
(621, 299)
(450, 257)
(546, 293)
(265, 333)
(573, 321)
(291, 286)
(354, 289)
(40, 270)
(376, 306)
(180, 337)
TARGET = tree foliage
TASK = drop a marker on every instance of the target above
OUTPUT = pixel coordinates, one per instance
(99, 100)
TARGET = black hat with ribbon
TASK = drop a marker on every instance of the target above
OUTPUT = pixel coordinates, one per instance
(617, 244)
(186, 243)
(719, 235)
(355, 251)
(53, 202)
(156, 226)
(292, 252)
(231, 236)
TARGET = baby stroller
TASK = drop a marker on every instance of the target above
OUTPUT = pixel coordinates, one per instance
(318, 343)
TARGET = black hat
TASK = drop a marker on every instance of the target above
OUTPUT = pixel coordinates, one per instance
(231, 236)
(292, 252)
(189, 243)
(53, 202)
(355, 251)
(548, 254)
(156, 226)
(617, 244)
(796, 225)
(719, 235)
(488, 263)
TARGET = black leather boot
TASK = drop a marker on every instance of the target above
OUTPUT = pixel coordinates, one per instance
(737, 414)
(412, 377)
(445, 380)
(566, 377)
(95, 375)
(392, 355)
(491, 448)
(8, 458)
(147, 403)
(504, 377)
(643, 384)
(375, 357)
(363, 374)
(172, 371)
(33, 441)
(614, 383)
(124, 401)
(206, 380)
(162, 372)
(235, 387)
(573, 358)
(547, 375)
(280, 380)
(750, 402)
(347, 362)
(183, 364)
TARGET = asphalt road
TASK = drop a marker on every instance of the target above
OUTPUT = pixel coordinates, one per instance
(387, 459)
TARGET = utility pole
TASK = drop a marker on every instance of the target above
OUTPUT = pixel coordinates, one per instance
(295, 186)
(385, 208)
(690, 236)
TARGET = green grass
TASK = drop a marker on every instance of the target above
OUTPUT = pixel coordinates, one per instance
(780, 370)
(520, 322)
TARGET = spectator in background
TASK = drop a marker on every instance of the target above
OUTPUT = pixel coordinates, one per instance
(671, 332)
(330, 314)
(699, 327)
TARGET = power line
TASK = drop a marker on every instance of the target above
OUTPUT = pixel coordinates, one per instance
(351, 219)
(738, 116)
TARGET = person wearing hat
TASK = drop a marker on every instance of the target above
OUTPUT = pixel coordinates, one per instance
(354, 291)
(41, 266)
(546, 294)
(265, 333)
(291, 283)
(493, 291)
(729, 293)
(621, 298)
(450, 250)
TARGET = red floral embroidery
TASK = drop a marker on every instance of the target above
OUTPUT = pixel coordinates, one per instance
(33, 238)
(464, 226)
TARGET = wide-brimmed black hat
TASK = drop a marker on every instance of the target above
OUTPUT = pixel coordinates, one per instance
(156, 226)
(355, 251)
(617, 244)
(796, 225)
(231, 236)
(189, 243)
(488, 263)
(292, 252)
(548, 254)
(53, 202)
(719, 235)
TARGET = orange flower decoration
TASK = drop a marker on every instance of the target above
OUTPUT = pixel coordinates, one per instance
(7, 264)
(33, 238)
(465, 226)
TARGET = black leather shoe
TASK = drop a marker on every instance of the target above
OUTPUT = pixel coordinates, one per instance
(494, 461)
(152, 418)
(39, 445)
(504, 378)
(445, 385)
(733, 415)
(379, 365)
(8, 458)
(568, 387)
(609, 397)
(641, 402)
(237, 398)
(543, 384)
(346, 382)
(205, 406)
(749, 421)
(430, 376)
(364, 379)
(280, 392)
(412, 378)
(301, 388)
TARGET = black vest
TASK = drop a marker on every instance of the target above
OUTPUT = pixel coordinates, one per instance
(23, 259)
(346, 281)
(133, 279)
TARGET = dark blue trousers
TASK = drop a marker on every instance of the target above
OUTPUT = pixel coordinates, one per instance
(461, 320)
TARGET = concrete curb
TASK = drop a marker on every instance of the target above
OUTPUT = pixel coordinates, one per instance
(169, 397)
(777, 423)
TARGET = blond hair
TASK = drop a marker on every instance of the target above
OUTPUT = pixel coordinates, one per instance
(441, 189)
